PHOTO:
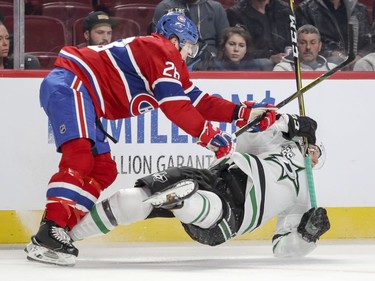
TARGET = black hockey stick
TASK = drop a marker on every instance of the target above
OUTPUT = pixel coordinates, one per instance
(352, 50)
(301, 103)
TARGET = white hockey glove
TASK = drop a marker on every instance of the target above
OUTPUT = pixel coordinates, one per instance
(314, 223)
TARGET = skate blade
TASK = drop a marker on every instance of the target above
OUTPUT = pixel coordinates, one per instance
(182, 190)
(45, 255)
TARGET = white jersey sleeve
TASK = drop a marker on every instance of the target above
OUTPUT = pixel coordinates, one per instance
(287, 241)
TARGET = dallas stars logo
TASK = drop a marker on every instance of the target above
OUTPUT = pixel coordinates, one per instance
(289, 170)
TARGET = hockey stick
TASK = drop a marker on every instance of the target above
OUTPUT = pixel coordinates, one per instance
(301, 103)
(352, 40)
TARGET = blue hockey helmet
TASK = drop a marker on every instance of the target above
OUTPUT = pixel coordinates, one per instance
(175, 23)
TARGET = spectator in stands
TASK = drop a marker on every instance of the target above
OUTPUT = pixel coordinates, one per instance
(208, 15)
(330, 17)
(234, 53)
(268, 24)
(6, 52)
(309, 45)
(97, 29)
(367, 63)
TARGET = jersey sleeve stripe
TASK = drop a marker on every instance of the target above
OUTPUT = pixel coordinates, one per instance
(90, 74)
(120, 73)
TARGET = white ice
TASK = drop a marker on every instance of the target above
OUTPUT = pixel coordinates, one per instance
(235, 260)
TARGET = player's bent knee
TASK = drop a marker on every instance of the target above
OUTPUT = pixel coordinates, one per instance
(105, 170)
(223, 231)
(76, 155)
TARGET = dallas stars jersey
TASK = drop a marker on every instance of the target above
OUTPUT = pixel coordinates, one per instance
(276, 184)
(132, 76)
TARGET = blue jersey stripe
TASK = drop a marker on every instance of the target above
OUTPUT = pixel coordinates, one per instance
(70, 195)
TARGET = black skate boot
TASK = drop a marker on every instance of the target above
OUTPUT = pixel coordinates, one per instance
(51, 244)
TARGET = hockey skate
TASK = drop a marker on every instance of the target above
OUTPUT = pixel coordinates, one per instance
(173, 196)
(52, 245)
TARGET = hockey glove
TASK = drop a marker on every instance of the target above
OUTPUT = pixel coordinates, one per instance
(248, 111)
(314, 223)
(301, 126)
(215, 140)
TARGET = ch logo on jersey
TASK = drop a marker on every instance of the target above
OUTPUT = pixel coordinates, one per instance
(142, 103)
(289, 170)
(160, 177)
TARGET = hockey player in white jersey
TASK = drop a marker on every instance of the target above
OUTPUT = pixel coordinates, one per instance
(264, 178)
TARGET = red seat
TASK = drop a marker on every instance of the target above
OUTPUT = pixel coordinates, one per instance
(6, 9)
(227, 3)
(42, 34)
(125, 28)
(112, 3)
(46, 59)
(83, 2)
(370, 5)
(68, 13)
(141, 13)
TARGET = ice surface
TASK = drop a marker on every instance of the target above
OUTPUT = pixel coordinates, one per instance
(246, 260)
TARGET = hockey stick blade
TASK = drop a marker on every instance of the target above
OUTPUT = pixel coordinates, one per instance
(353, 41)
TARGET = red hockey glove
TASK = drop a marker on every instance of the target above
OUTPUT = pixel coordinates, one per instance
(249, 111)
(215, 140)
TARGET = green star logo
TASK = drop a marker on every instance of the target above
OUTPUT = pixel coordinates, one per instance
(289, 170)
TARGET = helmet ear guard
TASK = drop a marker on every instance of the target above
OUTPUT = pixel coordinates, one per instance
(177, 24)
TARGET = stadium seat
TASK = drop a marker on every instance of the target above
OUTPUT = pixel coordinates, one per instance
(68, 13)
(46, 59)
(42, 34)
(141, 13)
(125, 28)
(227, 3)
(6, 8)
(83, 2)
(112, 3)
(369, 4)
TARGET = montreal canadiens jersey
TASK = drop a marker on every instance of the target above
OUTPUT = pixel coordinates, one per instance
(134, 75)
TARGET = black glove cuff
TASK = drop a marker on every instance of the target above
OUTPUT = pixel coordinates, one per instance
(236, 111)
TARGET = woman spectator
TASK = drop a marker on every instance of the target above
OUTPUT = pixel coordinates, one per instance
(235, 53)
(6, 49)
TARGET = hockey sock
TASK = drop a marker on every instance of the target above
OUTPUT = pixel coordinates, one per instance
(101, 176)
(65, 187)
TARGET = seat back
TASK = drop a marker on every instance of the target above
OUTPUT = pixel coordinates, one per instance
(141, 13)
(6, 9)
(46, 59)
(82, 2)
(227, 3)
(42, 33)
(125, 28)
(68, 13)
(112, 3)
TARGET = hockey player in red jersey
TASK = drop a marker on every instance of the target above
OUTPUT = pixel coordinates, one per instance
(120, 80)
